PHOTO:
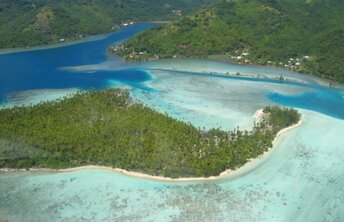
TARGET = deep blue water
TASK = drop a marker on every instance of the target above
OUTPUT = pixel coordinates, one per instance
(326, 101)
(44, 69)
(41, 69)
(322, 99)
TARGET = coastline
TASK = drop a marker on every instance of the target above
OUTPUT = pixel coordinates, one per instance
(225, 174)
(319, 80)
(258, 115)
(282, 131)
(88, 38)
(239, 75)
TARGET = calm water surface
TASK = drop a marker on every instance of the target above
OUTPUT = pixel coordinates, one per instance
(43, 69)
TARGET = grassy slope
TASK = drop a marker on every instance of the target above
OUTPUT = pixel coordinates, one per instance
(104, 128)
(271, 30)
(36, 22)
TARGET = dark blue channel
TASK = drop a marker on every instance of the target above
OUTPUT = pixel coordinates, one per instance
(41, 69)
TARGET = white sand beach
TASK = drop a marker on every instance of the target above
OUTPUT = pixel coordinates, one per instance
(226, 174)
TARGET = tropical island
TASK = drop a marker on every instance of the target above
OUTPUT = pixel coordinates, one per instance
(106, 128)
(303, 36)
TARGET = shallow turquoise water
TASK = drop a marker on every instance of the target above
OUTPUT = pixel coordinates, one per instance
(301, 180)
(313, 96)
(207, 101)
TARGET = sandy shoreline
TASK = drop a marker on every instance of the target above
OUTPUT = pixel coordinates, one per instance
(226, 174)
(279, 134)
(230, 74)
(258, 115)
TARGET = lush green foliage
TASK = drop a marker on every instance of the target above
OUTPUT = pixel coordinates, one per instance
(36, 22)
(270, 30)
(105, 128)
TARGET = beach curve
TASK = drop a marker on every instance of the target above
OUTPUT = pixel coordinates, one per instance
(251, 164)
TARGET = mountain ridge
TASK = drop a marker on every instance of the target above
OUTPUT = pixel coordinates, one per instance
(25, 23)
(305, 36)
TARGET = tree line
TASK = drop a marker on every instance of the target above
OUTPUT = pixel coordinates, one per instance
(106, 128)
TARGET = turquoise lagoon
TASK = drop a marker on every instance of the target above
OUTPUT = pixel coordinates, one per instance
(302, 178)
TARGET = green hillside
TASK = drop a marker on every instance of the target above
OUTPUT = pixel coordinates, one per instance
(302, 35)
(36, 22)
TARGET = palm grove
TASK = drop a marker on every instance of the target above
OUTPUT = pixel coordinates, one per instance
(106, 128)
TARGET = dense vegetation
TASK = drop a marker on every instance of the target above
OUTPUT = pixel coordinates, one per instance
(106, 128)
(302, 35)
(37, 22)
